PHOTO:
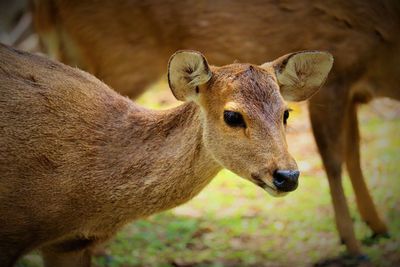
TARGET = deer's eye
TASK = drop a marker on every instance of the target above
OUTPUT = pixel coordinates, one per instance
(285, 116)
(234, 119)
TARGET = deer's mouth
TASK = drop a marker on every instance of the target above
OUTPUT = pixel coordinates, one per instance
(269, 188)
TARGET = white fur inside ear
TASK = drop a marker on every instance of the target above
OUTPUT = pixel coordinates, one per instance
(186, 70)
(305, 70)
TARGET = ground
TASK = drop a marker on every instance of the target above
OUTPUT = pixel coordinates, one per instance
(235, 223)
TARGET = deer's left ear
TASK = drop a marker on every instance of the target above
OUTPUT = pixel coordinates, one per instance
(301, 74)
(187, 70)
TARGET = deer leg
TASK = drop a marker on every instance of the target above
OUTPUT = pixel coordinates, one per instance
(80, 258)
(12, 245)
(71, 253)
(363, 198)
(327, 117)
(8, 256)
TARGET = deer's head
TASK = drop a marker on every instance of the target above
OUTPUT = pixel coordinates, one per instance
(244, 113)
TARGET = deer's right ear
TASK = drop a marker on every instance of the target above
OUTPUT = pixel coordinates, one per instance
(186, 71)
(301, 74)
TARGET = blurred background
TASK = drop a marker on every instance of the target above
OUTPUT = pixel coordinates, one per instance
(234, 223)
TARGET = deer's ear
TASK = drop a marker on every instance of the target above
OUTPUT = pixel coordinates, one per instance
(301, 74)
(186, 71)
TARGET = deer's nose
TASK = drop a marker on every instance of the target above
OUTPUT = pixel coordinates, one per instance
(286, 180)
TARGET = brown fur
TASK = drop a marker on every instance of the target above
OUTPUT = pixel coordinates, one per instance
(78, 160)
(116, 40)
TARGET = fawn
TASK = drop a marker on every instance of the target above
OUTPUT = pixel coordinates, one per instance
(78, 160)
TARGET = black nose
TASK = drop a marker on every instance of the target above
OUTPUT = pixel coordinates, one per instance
(286, 180)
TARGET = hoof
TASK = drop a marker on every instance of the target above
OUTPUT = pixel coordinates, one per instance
(345, 260)
(374, 238)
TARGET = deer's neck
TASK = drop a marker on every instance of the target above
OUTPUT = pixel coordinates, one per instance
(165, 162)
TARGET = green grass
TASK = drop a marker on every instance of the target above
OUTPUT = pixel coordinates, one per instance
(234, 223)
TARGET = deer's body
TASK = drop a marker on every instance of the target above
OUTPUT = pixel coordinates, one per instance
(78, 160)
(73, 151)
(114, 40)
(96, 34)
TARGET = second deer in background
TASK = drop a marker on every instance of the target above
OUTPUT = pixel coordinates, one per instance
(116, 40)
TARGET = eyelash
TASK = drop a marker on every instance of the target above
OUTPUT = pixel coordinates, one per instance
(235, 119)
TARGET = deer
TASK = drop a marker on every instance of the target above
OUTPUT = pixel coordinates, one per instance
(78, 160)
(116, 39)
